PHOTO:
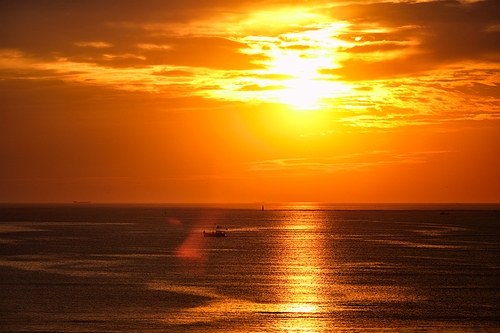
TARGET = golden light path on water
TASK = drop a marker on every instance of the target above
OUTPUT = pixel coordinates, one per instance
(302, 274)
(297, 265)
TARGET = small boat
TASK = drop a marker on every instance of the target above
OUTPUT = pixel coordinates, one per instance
(217, 232)
(444, 213)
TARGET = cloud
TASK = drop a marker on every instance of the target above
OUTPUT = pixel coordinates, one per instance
(275, 77)
(363, 88)
(296, 47)
(53, 95)
(372, 47)
(98, 45)
(32, 73)
(360, 69)
(441, 32)
(173, 73)
(256, 87)
(137, 36)
(357, 161)
(207, 52)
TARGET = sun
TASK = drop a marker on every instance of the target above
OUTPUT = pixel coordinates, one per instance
(292, 69)
(302, 94)
(299, 56)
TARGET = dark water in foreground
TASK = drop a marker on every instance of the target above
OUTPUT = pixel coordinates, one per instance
(98, 268)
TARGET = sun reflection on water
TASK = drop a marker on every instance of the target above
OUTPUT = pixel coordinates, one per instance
(302, 273)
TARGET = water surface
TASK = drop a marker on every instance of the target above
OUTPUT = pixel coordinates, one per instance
(289, 268)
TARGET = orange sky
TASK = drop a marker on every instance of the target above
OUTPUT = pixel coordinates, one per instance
(249, 101)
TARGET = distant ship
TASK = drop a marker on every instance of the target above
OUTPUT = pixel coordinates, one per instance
(217, 232)
(81, 202)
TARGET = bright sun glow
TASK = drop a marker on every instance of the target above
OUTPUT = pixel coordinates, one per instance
(303, 94)
(292, 76)
(304, 89)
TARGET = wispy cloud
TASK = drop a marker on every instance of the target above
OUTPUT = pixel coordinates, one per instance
(98, 45)
(256, 87)
(434, 33)
(353, 162)
(173, 73)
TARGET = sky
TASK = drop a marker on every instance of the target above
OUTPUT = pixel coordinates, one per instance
(250, 101)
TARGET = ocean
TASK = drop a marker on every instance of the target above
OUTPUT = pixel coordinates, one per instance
(296, 267)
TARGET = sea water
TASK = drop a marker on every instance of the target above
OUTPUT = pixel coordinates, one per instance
(287, 268)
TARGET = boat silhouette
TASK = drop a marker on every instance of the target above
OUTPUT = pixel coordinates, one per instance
(216, 232)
